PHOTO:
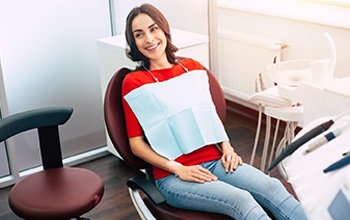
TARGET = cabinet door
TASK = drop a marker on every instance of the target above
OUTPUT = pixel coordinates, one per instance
(198, 52)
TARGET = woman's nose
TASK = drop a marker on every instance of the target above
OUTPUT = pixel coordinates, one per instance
(149, 37)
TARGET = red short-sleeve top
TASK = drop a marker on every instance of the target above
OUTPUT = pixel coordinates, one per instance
(140, 77)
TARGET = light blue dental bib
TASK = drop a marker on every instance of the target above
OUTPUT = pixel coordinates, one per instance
(178, 116)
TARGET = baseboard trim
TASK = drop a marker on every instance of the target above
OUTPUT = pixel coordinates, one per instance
(242, 110)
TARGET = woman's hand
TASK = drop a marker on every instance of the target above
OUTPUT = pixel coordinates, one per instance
(230, 158)
(195, 173)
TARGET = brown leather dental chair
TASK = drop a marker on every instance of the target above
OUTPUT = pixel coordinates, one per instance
(148, 201)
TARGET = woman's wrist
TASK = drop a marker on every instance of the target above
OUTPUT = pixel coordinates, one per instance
(173, 166)
(226, 145)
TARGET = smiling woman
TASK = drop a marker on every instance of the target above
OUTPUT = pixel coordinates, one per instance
(173, 125)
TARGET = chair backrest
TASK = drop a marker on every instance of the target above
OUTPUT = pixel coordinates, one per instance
(115, 120)
(46, 121)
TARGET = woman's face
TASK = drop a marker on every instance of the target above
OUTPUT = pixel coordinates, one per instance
(149, 37)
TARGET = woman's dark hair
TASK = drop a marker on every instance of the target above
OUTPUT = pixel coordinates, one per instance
(132, 52)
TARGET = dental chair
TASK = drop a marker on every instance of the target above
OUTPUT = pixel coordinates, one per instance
(148, 201)
(56, 192)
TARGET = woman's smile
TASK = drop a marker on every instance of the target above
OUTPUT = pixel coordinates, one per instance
(153, 47)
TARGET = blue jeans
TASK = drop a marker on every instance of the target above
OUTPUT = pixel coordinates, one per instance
(240, 194)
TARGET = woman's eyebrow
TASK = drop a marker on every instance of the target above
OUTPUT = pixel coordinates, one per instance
(139, 30)
(152, 25)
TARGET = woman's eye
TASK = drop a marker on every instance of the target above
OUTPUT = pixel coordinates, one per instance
(154, 28)
(137, 35)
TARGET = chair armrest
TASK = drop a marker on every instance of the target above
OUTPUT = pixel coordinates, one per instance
(143, 184)
(20, 122)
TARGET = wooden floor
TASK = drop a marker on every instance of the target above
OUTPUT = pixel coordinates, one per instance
(116, 203)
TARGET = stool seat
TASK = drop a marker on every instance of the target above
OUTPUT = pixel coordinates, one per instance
(57, 193)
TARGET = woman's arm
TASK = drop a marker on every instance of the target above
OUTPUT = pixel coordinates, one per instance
(187, 173)
(230, 158)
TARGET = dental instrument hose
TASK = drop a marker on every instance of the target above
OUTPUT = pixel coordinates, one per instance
(300, 141)
(290, 148)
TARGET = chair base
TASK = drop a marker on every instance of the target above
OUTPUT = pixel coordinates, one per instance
(148, 210)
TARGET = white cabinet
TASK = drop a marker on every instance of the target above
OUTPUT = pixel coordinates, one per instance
(111, 52)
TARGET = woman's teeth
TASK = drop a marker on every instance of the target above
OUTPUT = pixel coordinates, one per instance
(152, 47)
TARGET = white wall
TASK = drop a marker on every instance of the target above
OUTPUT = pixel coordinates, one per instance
(305, 38)
(49, 58)
(188, 15)
(38, 46)
(301, 25)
